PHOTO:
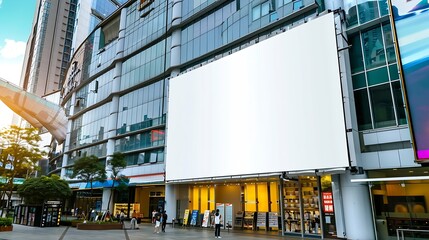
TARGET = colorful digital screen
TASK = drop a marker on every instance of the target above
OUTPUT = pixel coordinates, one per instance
(411, 19)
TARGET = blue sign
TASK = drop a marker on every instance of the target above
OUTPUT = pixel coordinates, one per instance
(194, 217)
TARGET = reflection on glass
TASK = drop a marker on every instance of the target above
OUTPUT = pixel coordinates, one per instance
(388, 42)
(373, 48)
(382, 106)
(401, 205)
(368, 10)
(351, 13)
(399, 103)
(356, 58)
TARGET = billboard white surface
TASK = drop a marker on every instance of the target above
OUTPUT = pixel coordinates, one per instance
(274, 106)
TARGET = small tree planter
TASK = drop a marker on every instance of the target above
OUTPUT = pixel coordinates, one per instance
(98, 226)
(6, 228)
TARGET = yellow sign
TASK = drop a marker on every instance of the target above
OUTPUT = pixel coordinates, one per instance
(185, 217)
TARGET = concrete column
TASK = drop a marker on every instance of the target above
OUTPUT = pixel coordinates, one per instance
(352, 204)
(170, 201)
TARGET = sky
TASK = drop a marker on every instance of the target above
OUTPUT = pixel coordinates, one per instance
(16, 18)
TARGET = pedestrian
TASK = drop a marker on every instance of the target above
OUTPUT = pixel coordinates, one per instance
(122, 217)
(164, 221)
(217, 222)
(134, 220)
(153, 215)
(157, 222)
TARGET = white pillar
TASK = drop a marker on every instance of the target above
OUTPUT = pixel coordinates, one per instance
(356, 208)
(170, 201)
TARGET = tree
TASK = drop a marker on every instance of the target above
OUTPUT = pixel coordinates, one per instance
(119, 181)
(19, 153)
(89, 169)
(41, 189)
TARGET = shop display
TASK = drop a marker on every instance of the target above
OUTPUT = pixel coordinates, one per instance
(124, 206)
(302, 196)
(248, 220)
(239, 219)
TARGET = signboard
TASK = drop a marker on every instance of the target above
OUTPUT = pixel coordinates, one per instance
(410, 18)
(206, 218)
(261, 220)
(185, 217)
(15, 180)
(327, 202)
(273, 219)
(194, 217)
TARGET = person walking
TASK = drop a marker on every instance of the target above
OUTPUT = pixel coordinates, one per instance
(217, 222)
(157, 222)
(164, 220)
(134, 220)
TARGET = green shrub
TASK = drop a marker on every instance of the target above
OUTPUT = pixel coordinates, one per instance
(5, 221)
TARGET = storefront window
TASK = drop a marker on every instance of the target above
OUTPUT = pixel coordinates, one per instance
(301, 198)
(401, 204)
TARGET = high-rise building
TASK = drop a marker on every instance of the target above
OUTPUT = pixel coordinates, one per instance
(287, 116)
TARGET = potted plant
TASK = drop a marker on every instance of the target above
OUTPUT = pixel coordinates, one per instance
(6, 224)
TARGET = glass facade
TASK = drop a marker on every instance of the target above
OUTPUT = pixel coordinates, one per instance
(375, 78)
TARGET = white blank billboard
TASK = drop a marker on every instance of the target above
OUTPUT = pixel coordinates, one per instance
(274, 106)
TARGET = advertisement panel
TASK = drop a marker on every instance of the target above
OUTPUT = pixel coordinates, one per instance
(274, 106)
(411, 18)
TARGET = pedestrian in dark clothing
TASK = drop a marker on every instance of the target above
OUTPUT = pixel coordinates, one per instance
(164, 220)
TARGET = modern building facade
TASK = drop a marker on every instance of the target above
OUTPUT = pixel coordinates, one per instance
(287, 115)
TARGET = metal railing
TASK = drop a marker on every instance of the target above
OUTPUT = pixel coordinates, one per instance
(400, 232)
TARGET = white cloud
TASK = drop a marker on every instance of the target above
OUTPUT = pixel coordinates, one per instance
(1, 1)
(12, 49)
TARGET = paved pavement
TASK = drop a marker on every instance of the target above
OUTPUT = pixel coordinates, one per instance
(144, 232)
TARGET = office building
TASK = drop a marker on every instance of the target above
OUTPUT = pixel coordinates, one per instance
(286, 115)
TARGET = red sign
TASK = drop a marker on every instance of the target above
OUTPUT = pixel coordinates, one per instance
(327, 202)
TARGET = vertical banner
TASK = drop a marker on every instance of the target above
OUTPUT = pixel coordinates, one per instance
(205, 218)
(194, 217)
(411, 24)
(185, 217)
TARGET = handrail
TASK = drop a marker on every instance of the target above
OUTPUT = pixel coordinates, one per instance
(402, 230)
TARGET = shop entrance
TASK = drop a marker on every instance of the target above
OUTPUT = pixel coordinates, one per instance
(401, 205)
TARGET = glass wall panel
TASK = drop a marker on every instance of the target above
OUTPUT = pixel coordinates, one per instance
(377, 76)
(351, 13)
(399, 103)
(362, 109)
(373, 48)
(368, 10)
(388, 42)
(401, 205)
(356, 58)
(382, 106)
(359, 81)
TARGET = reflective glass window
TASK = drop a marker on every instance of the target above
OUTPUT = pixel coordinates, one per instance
(382, 106)
(362, 109)
(377, 76)
(388, 42)
(399, 103)
(356, 58)
(368, 10)
(373, 48)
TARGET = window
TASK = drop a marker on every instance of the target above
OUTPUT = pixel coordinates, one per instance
(256, 12)
(261, 10)
(297, 5)
(382, 106)
(362, 109)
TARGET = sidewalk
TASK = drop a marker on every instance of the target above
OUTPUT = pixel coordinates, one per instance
(145, 231)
